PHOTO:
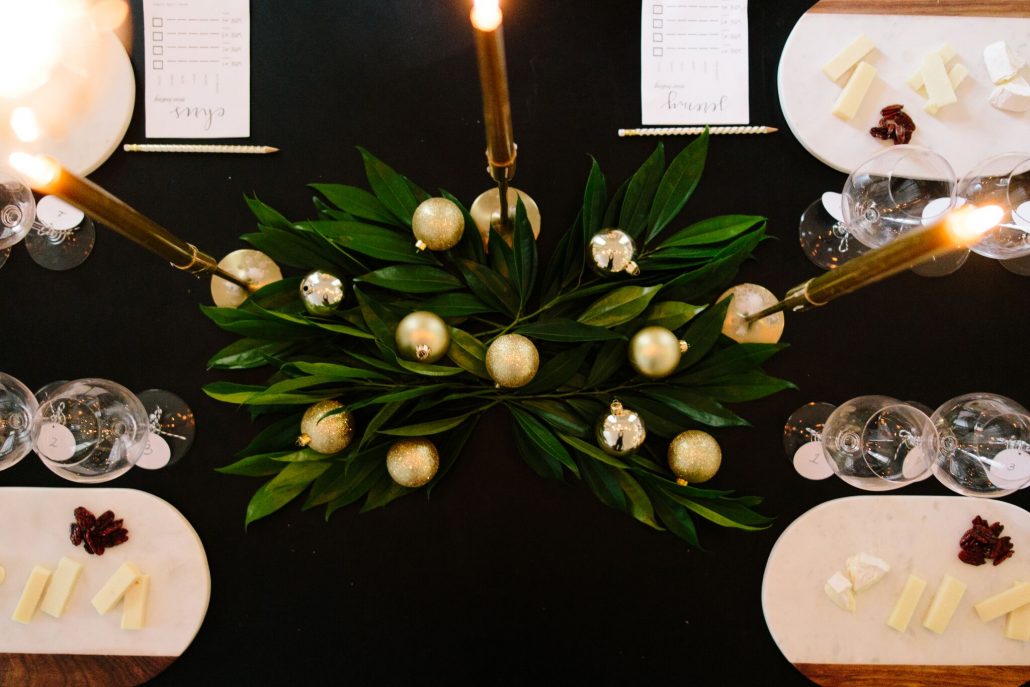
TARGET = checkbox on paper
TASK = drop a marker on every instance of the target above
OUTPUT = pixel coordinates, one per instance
(159, 35)
(158, 22)
(655, 24)
(657, 9)
(657, 38)
(159, 64)
(657, 52)
(160, 50)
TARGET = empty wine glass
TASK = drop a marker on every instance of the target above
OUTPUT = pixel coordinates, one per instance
(63, 236)
(885, 196)
(1003, 180)
(17, 408)
(90, 430)
(875, 443)
(17, 212)
(172, 428)
(984, 445)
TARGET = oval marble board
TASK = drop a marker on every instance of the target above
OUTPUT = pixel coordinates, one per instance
(83, 647)
(904, 31)
(914, 534)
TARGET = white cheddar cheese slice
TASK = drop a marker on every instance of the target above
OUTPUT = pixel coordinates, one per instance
(865, 570)
(846, 58)
(134, 610)
(1013, 96)
(1003, 602)
(31, 594)
(854, 92)
(1002, 64)
(956, 75)
(59, 592)
(906, 604)
(839, 589)
(938, 85)
(1017, 623)
(916, 80)
(114, 589)
(944, 603)
(3, 573)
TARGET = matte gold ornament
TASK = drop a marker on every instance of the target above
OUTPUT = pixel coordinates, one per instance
(654, 352)
(749, 299)
(321, 292)
(694, 456)
(412, 462)
(612, 251)
(620, 432)
(437, 224)
(486, 213)
(326, 434)
(252, 266)
(422, 336)
(512, 361)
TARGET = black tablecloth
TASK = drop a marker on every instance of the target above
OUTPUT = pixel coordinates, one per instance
(500, 577)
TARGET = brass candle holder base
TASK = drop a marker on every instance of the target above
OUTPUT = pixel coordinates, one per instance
(250, 266)
(486, 213)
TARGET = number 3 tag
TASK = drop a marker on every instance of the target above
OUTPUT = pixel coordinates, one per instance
(156, 454)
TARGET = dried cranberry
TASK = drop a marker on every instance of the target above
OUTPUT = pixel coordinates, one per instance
(96, 534)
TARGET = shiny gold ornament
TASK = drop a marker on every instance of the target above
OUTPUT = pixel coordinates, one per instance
(437, 224)
(694, 456)
(486, 212)
(326, 434)
(620, 432)
(512, 361)
(412, 462)
(749, 299)
(422, 336)
(321, 292)
(252, 266)
(612, 251)
(655, 352)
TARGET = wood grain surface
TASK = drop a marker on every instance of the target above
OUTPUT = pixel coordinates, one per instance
(844, 675)
(67, 670)
(959, 8)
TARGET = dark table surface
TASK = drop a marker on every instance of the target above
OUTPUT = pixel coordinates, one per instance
(500, 577)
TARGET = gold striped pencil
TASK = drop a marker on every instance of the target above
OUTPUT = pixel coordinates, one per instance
(197, 148)
(697, 130)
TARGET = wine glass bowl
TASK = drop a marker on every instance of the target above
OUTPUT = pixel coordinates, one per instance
(17, 407)
(1002, 180)
(984, 445)
(17, 209)
(90, 430)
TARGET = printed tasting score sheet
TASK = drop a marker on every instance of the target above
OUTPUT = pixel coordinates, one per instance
(694, 62)
(197, 65)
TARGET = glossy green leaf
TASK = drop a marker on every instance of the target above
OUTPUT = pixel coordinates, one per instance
(254, 326)
(355, 201)
(428, 370)
(266, 215)
(731, 360)
(346, 482)
(636, 206)
(703, 332)
(260, 465)
(611, 358)
(383, 491)
(392, 189)
(670, 314)
(595, 199)
(718, 273)
(292, 249)
(381, 321)
(637, 502)
(602, 481)
(275, 437)
(556, 371)
(612, 212)
(230, 392)
(425, 429)
(282, 489)
(334, 371)
(677, 185)
(373, 241)
(524, 257)
(566, 331)
(676, 518)
(246, 354)
(412, 279)
(490, 287)
(455, 304)
(746, 386)
(592, 451)
(540, 462)
(559, 416)
(468, 353)
(619, 306)
(382, 416)
(712, 230)
(697, 407)
(450, 450)
(470, 246)
(542, 440)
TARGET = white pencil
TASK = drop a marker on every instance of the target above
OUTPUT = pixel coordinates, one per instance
(197, 148)
(697, 130)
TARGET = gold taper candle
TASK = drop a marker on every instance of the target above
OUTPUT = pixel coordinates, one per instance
(493, 80)
(45, 175)
(958, 229)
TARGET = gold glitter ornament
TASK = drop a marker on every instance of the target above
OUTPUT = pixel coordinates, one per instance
(612, 251)
(412, 462)
(620, 432)
(437, 224)
(512, 361)
(326, 434)
(654, 352)
(694, 456)
(422, 336)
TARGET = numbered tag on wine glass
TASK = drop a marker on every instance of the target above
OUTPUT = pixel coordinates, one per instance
(57, 214)
(156, 454)
(810, 462)
(915, 468)
(56, 442)
(1010, 468)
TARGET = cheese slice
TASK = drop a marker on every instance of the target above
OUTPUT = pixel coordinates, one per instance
(55, 602)
(31, 594)
(938, 85)
(3, 573)
(906, 604)
(944, 603)
(1003, 602)
(846, 58)
(1002, 64)
(134, 610)
(1017, 623)
(865, 570)
(916, 80)
(956, 75)
(1013, 96)
(115, 587)
(840, 591)
(854, 92)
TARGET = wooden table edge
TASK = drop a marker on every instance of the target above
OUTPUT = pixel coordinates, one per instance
(865, 675)
(87, 670)
(953, 8)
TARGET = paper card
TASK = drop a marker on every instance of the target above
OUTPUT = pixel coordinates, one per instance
(197, 66)
(694, 62)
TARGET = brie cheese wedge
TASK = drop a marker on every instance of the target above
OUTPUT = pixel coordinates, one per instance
(1013, 96)
(840, 591)
(865, 570)
(1002, 64)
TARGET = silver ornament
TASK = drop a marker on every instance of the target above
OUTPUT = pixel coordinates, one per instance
(321, 292)
(620, 432)
(612, 251)
(437, 224)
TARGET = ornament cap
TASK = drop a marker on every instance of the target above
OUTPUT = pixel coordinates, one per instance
(423, 351)
(682, 482)
(632, 268)
(616, 407)
(421, 245)
(684, 346)
(303, 440)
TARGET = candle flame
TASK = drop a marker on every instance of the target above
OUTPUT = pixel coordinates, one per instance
(967, 225)
(25, 124)
(486, 14)
(34, 34)
(108, 15)
(37, 169)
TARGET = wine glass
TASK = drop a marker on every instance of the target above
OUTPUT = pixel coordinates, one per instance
(90, 430)
(875, 443)
(17, 212)
(63, 236)
(885, 196)
(172, 428)
(984, 445)
(1003, 180)
(17, 408)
